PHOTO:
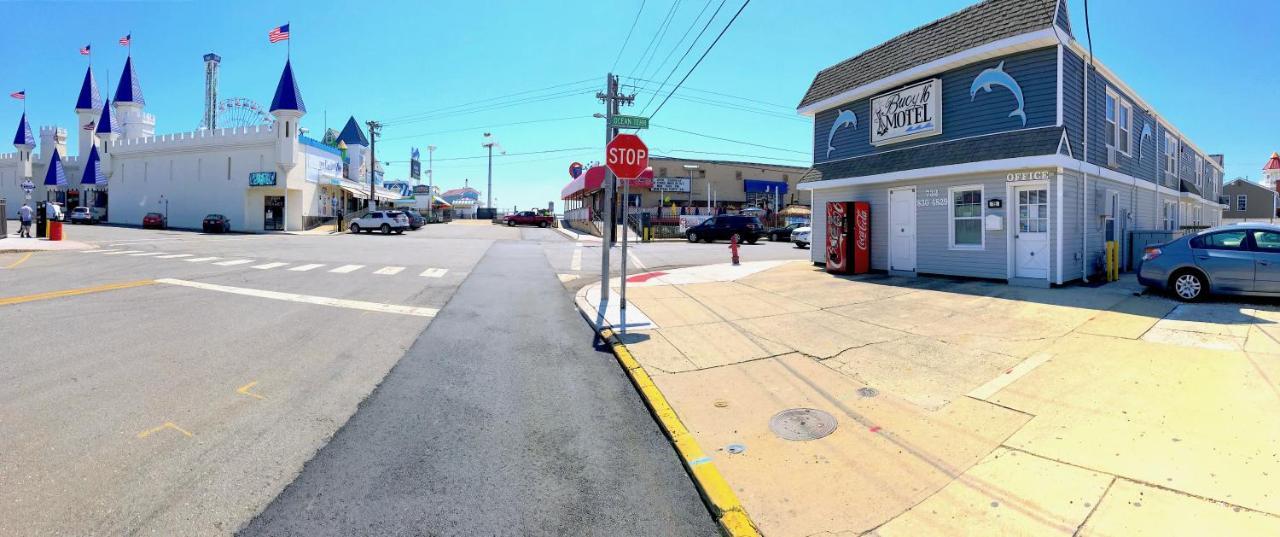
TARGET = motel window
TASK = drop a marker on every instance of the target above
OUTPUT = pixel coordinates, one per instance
(1112, 103)
(1242, 202)
(1170, 155)
(1167, 215)
(966, 217)
(1126, 126)
(1199, 171)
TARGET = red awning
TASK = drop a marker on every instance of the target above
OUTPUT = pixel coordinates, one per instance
(593, 180)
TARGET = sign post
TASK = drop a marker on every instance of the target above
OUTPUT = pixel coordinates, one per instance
(627, 156)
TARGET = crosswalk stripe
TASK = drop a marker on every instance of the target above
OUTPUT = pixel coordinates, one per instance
(233, 262)
(347, 268)
(173, 256)
(98, 251)
(123, 252)
(145, 254)
(200, 259)
(388, 271)
(269, 266)
(434, 273)
(304, 268)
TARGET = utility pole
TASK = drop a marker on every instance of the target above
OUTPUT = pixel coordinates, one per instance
(612, 101)
(374, 127)
(431, 183)
(489, 142)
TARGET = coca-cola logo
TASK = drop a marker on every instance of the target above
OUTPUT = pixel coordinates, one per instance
(863, 224)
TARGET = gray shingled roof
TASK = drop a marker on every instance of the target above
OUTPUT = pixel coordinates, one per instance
(988, 21)
(1022, 143)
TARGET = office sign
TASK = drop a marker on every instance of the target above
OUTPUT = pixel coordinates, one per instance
(262, 179)
(1031, 175)
(670, 184)
(908, 113)
(628, 122)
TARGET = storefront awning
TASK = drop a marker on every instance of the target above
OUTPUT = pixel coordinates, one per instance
(440, 202)
(761, 185)
(593, 180)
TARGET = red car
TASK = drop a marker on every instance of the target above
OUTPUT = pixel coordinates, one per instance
(155, 220)
(528, 218)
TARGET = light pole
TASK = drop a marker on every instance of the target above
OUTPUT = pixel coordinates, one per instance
(489, 142)
(431, 182)
(166, 210)
(690, 167)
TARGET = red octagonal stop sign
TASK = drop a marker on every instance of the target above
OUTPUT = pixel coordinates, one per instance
(627, 156)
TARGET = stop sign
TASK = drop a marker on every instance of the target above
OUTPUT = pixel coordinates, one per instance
(627, 156)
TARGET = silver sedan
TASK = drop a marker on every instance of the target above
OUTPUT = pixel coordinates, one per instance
(1240, 259)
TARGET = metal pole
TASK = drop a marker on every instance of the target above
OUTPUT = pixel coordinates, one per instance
(606, 243)
(488, 193)
(626, 227)
(431, 182)
(373, 164)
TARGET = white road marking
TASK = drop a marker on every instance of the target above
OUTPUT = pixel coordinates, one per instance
(636, 260)
(233, 262)
(269, 266)
(304, 268)
(347, 268)
(575, 264)
(121, 243)
(173, 256)
(118, 252)
(434, 273)
(388, 271)
(200, 259)
(98, 251)
(307, 299)
(145, 254)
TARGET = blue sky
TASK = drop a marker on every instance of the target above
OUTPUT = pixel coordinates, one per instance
(1208, 67)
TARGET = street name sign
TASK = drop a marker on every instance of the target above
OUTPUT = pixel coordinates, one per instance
(619, 121)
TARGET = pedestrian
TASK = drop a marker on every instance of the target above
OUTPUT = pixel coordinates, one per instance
(24, 216)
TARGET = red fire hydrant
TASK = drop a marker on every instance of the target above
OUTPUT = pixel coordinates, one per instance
(733, 247)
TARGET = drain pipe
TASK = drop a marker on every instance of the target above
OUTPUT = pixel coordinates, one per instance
(1084, 191)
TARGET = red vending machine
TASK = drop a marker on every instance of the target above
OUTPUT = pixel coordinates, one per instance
(848, 237)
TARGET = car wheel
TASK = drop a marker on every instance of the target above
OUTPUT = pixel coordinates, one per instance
(773, 237)
(800, 244)
(355, 228)
(511, 223)
(693, 237)
(753, 240)
(386, 229)
(542, 224)
(1188, 286)
(399, 232)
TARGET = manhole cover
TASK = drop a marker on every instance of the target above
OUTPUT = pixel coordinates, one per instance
(802, 424)
(868, 392)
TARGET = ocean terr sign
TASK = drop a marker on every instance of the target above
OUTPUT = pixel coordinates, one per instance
(908, 113)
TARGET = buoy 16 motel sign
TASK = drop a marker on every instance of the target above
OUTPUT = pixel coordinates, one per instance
(908, 113)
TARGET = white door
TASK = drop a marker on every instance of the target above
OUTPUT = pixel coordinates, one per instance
(1031, 233)
(902, 229)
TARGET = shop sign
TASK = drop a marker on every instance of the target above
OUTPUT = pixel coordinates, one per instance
(908, 113)
(262, 179)
(1032, 175)
(670, 184)
(320, 169)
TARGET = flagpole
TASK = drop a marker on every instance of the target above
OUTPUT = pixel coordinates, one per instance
(288, 51)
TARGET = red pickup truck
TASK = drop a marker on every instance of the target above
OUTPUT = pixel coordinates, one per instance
(528, 218)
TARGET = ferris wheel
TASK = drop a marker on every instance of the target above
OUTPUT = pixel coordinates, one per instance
(241, 112)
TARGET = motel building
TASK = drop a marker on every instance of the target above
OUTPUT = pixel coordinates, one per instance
(264, 178)
(966, 138)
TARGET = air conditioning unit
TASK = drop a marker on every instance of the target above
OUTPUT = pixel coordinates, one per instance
(1111, 158)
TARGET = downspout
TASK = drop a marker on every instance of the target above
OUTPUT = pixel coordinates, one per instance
(1084, 191)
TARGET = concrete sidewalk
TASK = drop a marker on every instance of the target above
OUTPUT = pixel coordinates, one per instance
(13, 244)
(970, 408)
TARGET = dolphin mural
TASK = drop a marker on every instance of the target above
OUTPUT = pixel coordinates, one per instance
(846, 118)
(997, 77)
(1146, 133)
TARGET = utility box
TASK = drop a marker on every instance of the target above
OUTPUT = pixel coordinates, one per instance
(848, 243)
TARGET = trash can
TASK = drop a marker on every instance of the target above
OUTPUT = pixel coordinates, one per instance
(55, 230)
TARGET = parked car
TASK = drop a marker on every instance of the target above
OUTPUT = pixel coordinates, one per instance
(528, 218)
(1239, 259)
(216, 223)
(725, 227)
(83, 215)
(155, 221)
(384, 221)
(416, 220)
(800, 236)
(783, 233)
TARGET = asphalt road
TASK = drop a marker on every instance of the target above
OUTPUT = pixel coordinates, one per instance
(187, 407)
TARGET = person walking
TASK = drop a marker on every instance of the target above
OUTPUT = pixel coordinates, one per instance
(24, 216)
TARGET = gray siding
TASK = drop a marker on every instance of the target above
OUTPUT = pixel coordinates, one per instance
(1260, 202)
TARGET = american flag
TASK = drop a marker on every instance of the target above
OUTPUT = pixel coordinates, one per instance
(278, 34)
(19, 95)
(90, 125)
(124, 41)
(84, 51)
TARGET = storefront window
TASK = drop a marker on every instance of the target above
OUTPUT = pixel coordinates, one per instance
(966, 217)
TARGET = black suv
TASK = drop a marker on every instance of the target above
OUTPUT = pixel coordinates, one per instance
(724, 227)
(416, 220)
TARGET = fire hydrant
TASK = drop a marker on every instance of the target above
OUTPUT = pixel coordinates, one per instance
(733, 247)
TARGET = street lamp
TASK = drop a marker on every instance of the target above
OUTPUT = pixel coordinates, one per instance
(690, 167)
(489, 142)
(166, 210)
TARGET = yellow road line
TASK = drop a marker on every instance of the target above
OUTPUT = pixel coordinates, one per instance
(21, 261)
(167, 425)
(72, 292)
(244, 390)
(733, 518)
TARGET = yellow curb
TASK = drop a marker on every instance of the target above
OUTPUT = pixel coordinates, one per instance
(732, 517)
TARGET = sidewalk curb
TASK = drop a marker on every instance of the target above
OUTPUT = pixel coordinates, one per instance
(715, 491)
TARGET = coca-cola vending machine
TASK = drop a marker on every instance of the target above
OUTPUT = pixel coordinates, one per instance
(848, 237)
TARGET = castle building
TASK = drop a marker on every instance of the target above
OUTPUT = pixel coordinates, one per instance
(263, 178)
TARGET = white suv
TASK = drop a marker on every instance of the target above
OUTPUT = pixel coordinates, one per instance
(800, 236)
(385, 221)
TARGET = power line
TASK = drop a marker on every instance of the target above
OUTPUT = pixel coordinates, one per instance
(722, 94)
(628, 39)
(703, 57)
(692, 44)
(684, 35)
(447, 109)
(660, 155)
(732, 140)
(503, 155)
(498, 106)
(666, 21)
(480, 127)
